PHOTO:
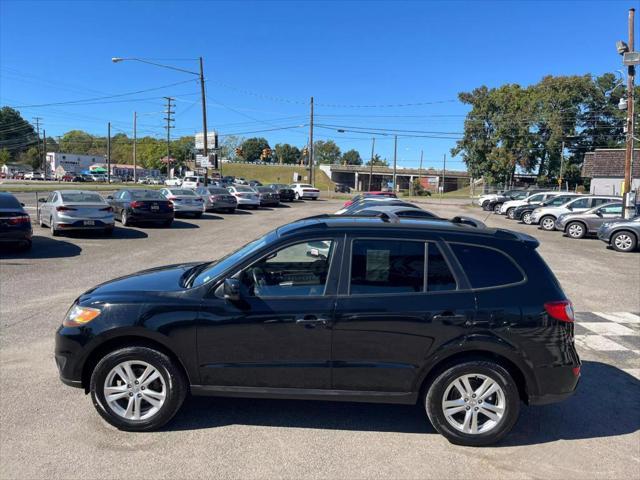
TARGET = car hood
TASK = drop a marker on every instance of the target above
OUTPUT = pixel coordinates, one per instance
(160, 279)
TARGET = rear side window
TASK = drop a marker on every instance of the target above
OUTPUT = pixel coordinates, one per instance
(486, 267)
(581, 203)
(381, 266)
(9, 201)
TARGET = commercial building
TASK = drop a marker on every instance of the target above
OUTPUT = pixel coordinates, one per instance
(72, 163)
(605, 168)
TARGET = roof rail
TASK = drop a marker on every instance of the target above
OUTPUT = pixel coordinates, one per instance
(461, 219)
(384, 216)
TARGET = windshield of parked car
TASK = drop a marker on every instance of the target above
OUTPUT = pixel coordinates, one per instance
(82, 197)
(146, 195)
(214, 269)
(244, 189)
(559, 200)
(217, 191)
(264, 189)
(306, 185)
(183, 192)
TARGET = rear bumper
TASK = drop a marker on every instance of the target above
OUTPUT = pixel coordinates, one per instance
(188, 208)
(13, 236)
(150, 217)
(221, 205)
(80, 225)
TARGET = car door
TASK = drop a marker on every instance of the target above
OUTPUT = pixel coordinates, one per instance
(278, 335)
(399, 300)
(580, 204)
(603, 214)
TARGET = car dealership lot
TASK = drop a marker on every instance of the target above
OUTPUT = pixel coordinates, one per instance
(48, 430)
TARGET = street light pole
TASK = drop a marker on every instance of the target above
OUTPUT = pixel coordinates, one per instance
(628, 160)
(204, 125)
(311, 179)
(395, 160)
(135, 137)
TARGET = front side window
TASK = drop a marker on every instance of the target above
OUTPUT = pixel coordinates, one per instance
(535, 198)
(486, 267)
(580, 203)
(612, 209)
(383, 266)
(297, 270)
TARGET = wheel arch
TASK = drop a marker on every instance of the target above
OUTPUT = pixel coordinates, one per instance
(581, 222)
(625, 230)
(123, 341)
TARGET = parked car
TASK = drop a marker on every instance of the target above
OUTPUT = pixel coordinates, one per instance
(374, 203)
(580, 224)
(495, 204)
(78, 179)
(98, 177)
(255, 183)
(268, 198)
(509, 207)
(193, 182)
(399, 211)
(143, 180)
(141, 206)
(184, 201)
(115, 179)
(240, 181)
(623, 235)
(467, 321)
(67, 177)
(341, 188)
(524, 212)
(155, 181)
(546, 215)
(483, 200)
(361, 196)
(33, 176)
(217, 199)
(173, 182)
(15, 223)
(66, 210)
(304, 190)
(87, 178)
(245, 196)
(286, 193)
(228, 179)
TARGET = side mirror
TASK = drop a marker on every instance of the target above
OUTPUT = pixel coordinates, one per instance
(570, 208)
(599, 213)
(42, 200)
(231, 289)
(21, 204)
(109, 197)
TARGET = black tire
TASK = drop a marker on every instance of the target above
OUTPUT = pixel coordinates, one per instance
(124, 218)
(297, 196)
(575, 230)
(485, 205)
(496, 208)
(624, 241)
(174, 380)
(511, 212)
(52, 226)
(548, 223)
(497, 373)
(197, 215)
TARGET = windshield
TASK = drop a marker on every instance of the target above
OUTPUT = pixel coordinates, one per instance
(220, 266)
(559, 200)
(182, 192)
(82, 197)
(244, 189)
(146, 195)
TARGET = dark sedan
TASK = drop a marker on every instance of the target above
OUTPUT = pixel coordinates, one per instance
(15, 224)
(141, 206)
(268, 198)
(285, 191)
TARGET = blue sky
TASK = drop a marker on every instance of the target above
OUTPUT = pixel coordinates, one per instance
(263, 60)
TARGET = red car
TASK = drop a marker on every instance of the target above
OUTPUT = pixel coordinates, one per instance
(369, 194)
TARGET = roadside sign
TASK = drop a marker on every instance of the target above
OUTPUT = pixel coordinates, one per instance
(631, 58)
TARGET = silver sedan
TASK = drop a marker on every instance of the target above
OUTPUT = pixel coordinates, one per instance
(217, 199)
(66, 210)
(184, 200)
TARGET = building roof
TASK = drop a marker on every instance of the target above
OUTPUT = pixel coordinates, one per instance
(609, 162)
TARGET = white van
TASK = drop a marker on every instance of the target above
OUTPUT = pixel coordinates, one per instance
(193, 182)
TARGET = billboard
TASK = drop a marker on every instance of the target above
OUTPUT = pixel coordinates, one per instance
(211, 140)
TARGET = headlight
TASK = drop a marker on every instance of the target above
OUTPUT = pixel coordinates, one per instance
(79, 316)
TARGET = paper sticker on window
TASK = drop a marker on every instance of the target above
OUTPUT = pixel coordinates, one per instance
(378, 265)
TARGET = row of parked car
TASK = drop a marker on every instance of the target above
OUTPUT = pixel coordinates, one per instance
(67, 210)
(577, 215)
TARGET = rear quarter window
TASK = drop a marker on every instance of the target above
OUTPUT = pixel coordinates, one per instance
(487, 267)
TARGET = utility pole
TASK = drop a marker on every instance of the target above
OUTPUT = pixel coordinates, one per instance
(628, 160)
(373, 147)
(311, 179)
(420, 168)
(561, 166)
(109, 152)
(40, 159)
(135, 137)
(204, 125)
(168, 118)
(444, 169)
(395, 160)
(44, 151)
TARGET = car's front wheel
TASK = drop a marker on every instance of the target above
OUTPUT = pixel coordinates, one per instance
(576, 230)
(548, 223)
(496, 208)
(511, 213)
(137, 388)
(474, 403)
(624, 241)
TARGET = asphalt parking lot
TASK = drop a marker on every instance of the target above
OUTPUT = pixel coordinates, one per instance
(48, 430)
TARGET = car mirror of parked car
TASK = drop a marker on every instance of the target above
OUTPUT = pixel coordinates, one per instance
(21, 204)
(109, 197)
(231, 289)
(42, 200)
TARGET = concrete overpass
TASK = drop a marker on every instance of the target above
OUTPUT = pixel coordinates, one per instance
(357, 177)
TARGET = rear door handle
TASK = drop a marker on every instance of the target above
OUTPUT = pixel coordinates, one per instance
(310, 321)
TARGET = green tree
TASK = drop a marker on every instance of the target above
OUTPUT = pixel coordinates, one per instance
(252, 148)
(377, 161)
(16, 134)
(326, 152)
(287, 154)
(82, 143)
(5, 156)
(351, 157)
(32, 157)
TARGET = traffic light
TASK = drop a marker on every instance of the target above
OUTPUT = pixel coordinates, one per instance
(266, 154)
(239, 152)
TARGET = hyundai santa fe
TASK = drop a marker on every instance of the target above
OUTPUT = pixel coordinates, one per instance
(466, 320)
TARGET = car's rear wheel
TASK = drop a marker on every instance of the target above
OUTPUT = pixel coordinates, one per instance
(124, 219)
(575, 230)
(197, 214)
(473, 403)
(526, 218)
(54, 231)
(624, 241)
(485, 205)
(496, 208)
(548, 223)
(511, 213)
(297, 196)
(137, 388)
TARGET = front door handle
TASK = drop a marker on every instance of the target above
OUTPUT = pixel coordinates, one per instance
(310, 321)
(449, 317)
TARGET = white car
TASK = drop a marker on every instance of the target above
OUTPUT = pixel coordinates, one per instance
(509, 207)
(173, 182)
(240, 181)
(304, 190)
(246, 196)
(193, 182)
(184, 200)
(33, 176)
(547, 216)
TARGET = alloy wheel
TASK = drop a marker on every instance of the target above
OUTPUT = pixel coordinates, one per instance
(575, 230)
(526, 218)
(548, 223)
(623, 242)
(511, 213)
(474, 404)
(135, 390)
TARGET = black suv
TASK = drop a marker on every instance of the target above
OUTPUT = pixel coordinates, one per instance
(466, 320)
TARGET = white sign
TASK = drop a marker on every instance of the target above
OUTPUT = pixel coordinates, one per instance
(203, 161)
(211, 141)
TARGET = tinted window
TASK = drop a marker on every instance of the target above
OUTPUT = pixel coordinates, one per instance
(601, 201)
(486, 267)
(559, 200)
(415, 213)
(217, 191)
(439, 276)
(244, 189)
(147, 195)
(615, 209)
(535, 198)
(581, 203)
(382, 266)
(297, 270)
(9, 201)
(82, 197)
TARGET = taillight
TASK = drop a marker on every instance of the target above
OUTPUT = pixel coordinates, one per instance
(170, 205)
(19, 219)
(106, 209)
(562, 310)
(64, 209)
(135, 204)
(171, 197)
